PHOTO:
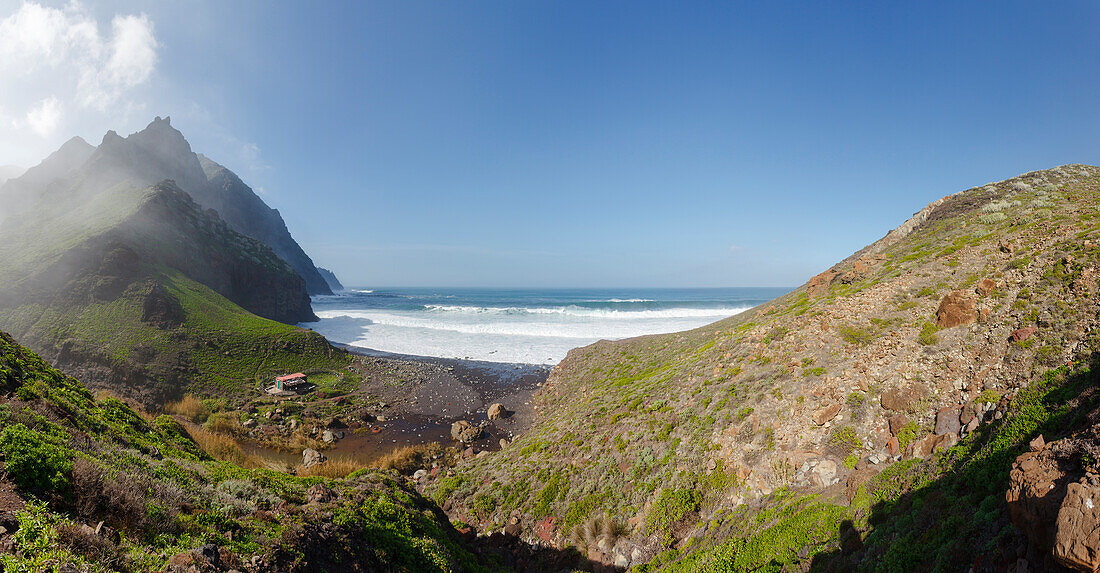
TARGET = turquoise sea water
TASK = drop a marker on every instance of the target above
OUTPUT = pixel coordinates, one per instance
(534, 326)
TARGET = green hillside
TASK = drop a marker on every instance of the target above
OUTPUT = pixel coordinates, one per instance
(72, 461)
(133, 295)
(767, 440)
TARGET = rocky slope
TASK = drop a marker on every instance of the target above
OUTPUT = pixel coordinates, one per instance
(78, 172)
(791, 435)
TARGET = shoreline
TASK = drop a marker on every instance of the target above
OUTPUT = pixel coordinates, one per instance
(419, 397)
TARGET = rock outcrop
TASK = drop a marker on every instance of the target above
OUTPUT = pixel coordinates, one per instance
(958, 308)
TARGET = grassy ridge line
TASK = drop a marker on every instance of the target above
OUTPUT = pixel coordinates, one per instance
(77, 459)
(631, 424)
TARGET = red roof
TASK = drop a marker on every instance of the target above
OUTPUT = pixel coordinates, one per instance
(289, 377)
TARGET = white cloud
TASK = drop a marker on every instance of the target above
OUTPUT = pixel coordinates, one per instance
(44, 118)
(735, 248)
(56, 59)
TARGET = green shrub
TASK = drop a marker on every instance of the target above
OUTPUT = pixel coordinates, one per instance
(992, 218)
(845, 440)
(857, 336)
(988, 397)
(908, 434)
(33, 462)
(855, 400)
(927, 336)
(671, 506)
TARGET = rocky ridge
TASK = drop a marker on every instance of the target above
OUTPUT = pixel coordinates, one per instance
(909, 347)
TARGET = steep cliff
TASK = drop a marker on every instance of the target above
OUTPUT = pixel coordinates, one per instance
(78, 172)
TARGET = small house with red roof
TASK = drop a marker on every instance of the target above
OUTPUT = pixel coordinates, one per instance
(296, 382)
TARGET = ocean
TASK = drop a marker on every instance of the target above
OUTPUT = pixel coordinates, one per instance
(529, 326)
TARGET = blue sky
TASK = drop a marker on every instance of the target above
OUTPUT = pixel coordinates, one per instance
(584, 143)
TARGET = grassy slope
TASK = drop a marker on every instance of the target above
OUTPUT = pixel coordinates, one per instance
(664, 433)
(220, 348)
(96, 459)
(229, 348)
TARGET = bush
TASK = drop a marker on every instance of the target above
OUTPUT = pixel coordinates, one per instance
(33, 462)
(927, 336)
(670, 508)
(857, 336)
(992, 218)
(844, 441)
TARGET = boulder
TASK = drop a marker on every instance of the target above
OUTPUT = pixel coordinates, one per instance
(328, 436)
(822, 415)
(1037, 444)
(898, 422)
(945, 441)
(893, 446)
(947, 421)
(825, 472)
(420, 474)
(958, 308)
(1022, 333)
(311, 457)
(967, 413)
(1035, 493)
(205, 558)
(924, 447)
(498, 411)
(320, 493)
(901, 399)
(465, 432)
(1077, 537)
(985, 287)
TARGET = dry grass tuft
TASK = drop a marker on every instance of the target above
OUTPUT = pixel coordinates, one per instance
(408, 459)
(222, 447)
(337, 468)
(189, 407)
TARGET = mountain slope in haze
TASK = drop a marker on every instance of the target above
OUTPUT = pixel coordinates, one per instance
(9, 172)
(868, 420)
(149, 156)
(143, 292)
(89, 484)
(330, 278)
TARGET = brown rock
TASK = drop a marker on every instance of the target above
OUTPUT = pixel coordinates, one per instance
(947, 421)
(958, 308)
(1077, 539)
(984, 287)
(465, 432)
(1037, 444)
(893, 446)
(820, 283)
(967, 413)
(320, 493)
(898, 422)
(858, 272)
(944, 442)
(1021, 333)
(857, 479)
(497, 411)
(1034, 498)
(903, 398)
(924, 447)
(822, 415)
